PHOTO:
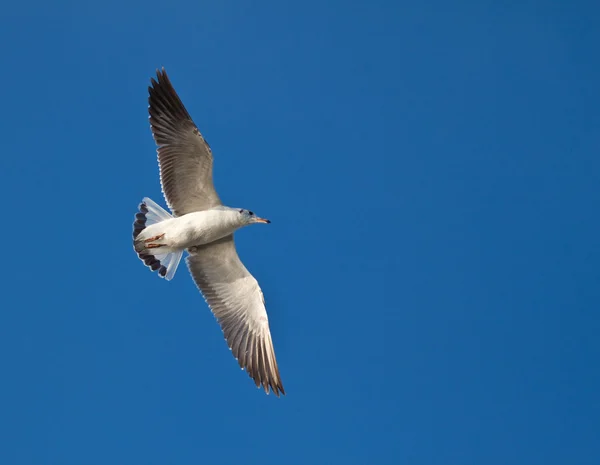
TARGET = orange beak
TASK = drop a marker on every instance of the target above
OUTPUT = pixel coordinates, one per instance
(262, 220)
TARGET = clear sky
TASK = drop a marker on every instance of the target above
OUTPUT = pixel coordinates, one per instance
(431, 270)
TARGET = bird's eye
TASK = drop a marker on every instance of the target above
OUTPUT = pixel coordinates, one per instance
(242, 210)
(251, 213)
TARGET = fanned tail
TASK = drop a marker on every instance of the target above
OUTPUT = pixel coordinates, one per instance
(151, 213)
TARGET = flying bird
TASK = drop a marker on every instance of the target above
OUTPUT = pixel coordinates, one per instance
(201, 225)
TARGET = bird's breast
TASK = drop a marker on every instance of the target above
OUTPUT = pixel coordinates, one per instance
(198, 228)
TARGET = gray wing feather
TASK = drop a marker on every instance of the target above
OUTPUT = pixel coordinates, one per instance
(185, 158)
(237, 302)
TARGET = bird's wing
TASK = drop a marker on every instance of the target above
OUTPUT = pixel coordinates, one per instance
(184, 157)
(237, 302)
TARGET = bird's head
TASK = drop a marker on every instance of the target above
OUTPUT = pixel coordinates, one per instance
(248, 217)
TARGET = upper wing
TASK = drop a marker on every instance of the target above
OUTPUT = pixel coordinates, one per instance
(236, 300)
(184, 157)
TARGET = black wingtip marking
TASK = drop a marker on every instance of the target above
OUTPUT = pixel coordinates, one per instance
(164, 104)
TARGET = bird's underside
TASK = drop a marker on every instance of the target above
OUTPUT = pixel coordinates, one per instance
(231, 292)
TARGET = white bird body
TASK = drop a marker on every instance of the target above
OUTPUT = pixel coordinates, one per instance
(192, 229)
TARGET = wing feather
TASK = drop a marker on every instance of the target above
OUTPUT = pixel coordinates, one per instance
(236, 300)
(185, 158)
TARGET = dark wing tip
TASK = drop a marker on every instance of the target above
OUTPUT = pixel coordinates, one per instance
(165, 107)
(266, 375)
(276, 387)
(261, 369)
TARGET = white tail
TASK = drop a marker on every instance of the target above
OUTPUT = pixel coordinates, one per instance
(151, 213)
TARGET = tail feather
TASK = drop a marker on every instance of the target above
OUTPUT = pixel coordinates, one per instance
(155, 213)
(140, 220)
(151, 213)
(169, 261)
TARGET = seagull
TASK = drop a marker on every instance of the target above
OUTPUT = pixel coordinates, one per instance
(201, 225)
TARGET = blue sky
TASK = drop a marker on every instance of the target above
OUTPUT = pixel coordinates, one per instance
(431, 272)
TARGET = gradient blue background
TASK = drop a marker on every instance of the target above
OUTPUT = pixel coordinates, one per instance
(431, 272)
